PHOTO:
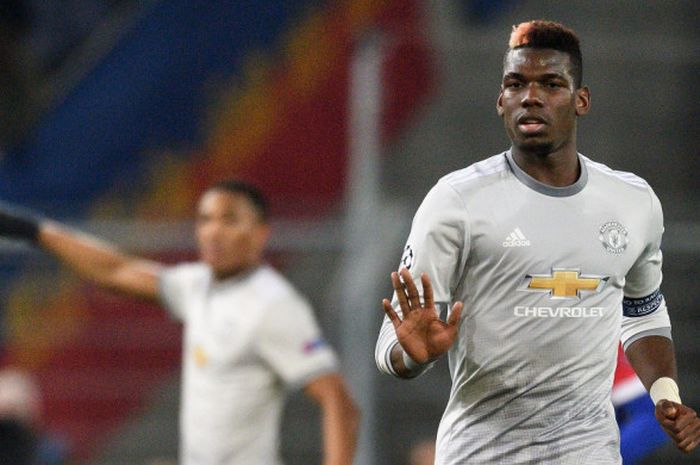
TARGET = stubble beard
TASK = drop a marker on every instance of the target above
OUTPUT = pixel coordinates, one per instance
(538, 149)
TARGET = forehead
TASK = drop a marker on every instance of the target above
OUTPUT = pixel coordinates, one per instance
(537, 61)
(221, 201)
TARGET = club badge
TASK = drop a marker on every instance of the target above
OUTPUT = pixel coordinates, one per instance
(614, 237)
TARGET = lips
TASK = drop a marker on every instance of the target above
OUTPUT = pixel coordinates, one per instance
(530, 124)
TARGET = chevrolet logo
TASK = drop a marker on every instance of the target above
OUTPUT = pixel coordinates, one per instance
(564, 283)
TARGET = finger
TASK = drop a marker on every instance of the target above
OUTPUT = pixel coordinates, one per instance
(688, 444)
(455, 314)
(427, 290)
(686, 417)
(690, 447)
(400, 293)
(688, 427)
(411, 288)
(667, 409)
(389, 310)
(687, 439)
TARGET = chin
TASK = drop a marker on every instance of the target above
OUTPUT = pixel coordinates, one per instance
(536, 147)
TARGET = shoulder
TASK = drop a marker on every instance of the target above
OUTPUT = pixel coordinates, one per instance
(448, 199)
(624, 179)
(190, 271)
(272, 285)
(623, 184)
(456, 187)
(177, 283)
(479, 173)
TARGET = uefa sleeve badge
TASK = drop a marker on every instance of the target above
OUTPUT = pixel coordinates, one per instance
(407, 258)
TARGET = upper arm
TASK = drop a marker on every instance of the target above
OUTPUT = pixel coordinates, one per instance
(437, 244)
(139, 277)
(644, 306)
(645, 275)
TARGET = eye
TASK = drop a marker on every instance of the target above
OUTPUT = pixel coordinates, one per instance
(230, 220)
(554, 84)
(512, 85)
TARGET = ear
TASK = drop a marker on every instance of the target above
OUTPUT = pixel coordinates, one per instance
(499, 103)
(262, 235)
(583, 101)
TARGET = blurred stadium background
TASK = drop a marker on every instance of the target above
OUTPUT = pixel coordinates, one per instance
(117, 113)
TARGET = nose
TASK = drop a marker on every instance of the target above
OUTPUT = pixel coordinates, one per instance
(208, 230)
(531, 96)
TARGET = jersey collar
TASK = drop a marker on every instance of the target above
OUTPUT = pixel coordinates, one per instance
(544, 189)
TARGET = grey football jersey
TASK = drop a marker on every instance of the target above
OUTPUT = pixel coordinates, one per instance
(542, 272)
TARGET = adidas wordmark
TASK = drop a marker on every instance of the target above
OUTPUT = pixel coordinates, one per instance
(516, 239)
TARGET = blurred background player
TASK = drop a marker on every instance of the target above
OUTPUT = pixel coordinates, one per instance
(20, 410)
(248, 337)
(422, 453)
(529, 245)
(22, 436)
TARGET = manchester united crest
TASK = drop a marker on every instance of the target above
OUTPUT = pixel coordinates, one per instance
(614, 237)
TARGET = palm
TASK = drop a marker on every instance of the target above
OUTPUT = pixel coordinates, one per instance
(424, 336)
(421, 333)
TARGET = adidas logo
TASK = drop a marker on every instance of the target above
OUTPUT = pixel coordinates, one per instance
(516, 239)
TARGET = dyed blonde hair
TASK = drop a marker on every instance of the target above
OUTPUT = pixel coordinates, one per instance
(552, 35)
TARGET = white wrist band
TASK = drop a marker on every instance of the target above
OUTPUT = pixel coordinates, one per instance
(664, 388)
(412, 365)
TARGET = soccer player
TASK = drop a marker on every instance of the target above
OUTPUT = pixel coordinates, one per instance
(248, 334)
(543, 261)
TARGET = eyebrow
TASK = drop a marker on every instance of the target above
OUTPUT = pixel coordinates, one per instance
(513, 75)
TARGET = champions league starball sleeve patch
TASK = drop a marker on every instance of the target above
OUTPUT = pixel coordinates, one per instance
(313, 345)
(407, 258)
(642, 306)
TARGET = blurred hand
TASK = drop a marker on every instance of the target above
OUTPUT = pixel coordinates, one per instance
(15, 225)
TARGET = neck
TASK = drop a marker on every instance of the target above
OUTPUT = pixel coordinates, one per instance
(221, 275)
(557, 169)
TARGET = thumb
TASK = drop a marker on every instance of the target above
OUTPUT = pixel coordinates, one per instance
(455, 314)
(668, 408)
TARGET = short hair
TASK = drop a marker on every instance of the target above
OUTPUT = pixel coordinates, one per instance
(549, 34)
(249, 191)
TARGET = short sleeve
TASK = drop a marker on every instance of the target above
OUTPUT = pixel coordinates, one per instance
(176, 284)
(645, 276)
(437, 244)
(291, 342)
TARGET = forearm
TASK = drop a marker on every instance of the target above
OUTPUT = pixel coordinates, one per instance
(340, 419)
(99, 261)
(652, 358)
(340, 425)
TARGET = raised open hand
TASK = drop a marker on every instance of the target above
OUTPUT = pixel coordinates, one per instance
(421, 333)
